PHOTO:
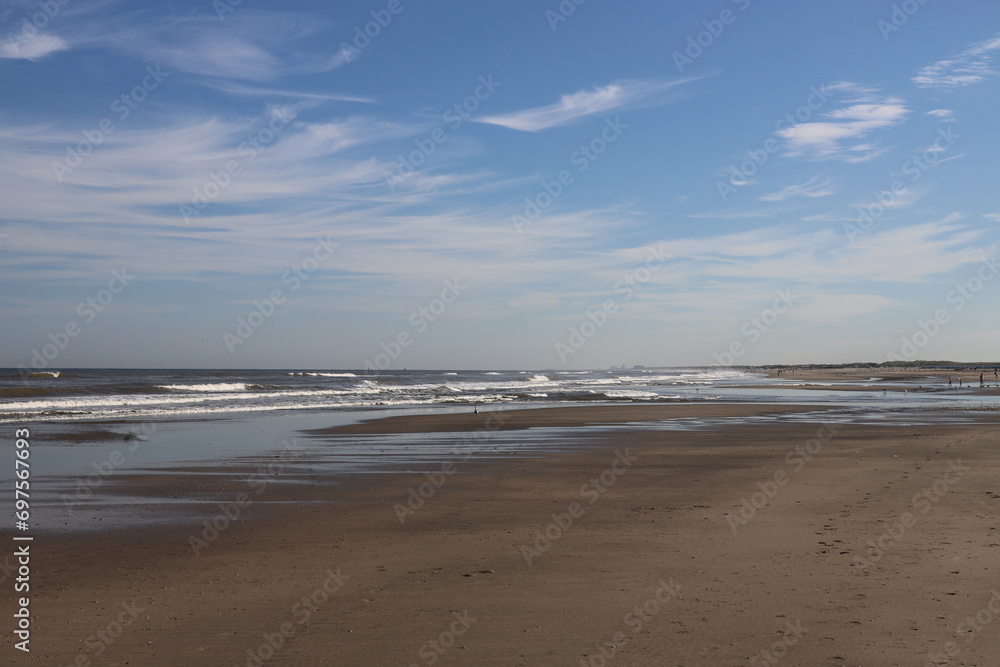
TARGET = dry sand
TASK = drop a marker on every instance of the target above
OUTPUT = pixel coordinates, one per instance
(651, 572)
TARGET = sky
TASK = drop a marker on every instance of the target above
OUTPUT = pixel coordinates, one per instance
(524, 184)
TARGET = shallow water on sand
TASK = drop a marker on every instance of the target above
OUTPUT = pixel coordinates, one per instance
(91, 428)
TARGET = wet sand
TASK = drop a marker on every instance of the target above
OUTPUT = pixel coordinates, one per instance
(557, 417)
(631, 552)
(894, 380)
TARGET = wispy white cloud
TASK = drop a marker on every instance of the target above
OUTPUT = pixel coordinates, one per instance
(28, 37)
(915, 253)
(36, 48)
(973, 65)
(836, 307)
(581, 104)
(943, 114)
(706, 278)
(901, 198)
(252, 91)
(995, 217)
(315, 178)
(840, 135)
(729, 214)
(814, 187)
(154, 170)
(828, 217)
(321, 178)
(912, 253)
(764, 243)
(535, 300)
(250, 45)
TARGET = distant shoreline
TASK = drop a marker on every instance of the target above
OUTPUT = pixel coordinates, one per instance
(885, 365)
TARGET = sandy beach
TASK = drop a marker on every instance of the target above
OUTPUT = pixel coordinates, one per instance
(400, 333)
(867, 379)
(751, 544)
(864, 379)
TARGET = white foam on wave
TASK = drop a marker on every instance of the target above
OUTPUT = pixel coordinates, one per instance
(214, 387)
(515, 384)
(187, 402)
(695, 377)
(324, 375)
(626, 393)
(211, 397)
(120, 410)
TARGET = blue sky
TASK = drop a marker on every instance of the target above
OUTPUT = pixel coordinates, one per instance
(555, 185)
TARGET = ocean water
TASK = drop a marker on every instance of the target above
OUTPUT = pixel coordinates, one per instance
(71, 395)
(150, 394)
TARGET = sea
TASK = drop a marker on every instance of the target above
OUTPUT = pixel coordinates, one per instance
(155, 394)
(137, 394)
